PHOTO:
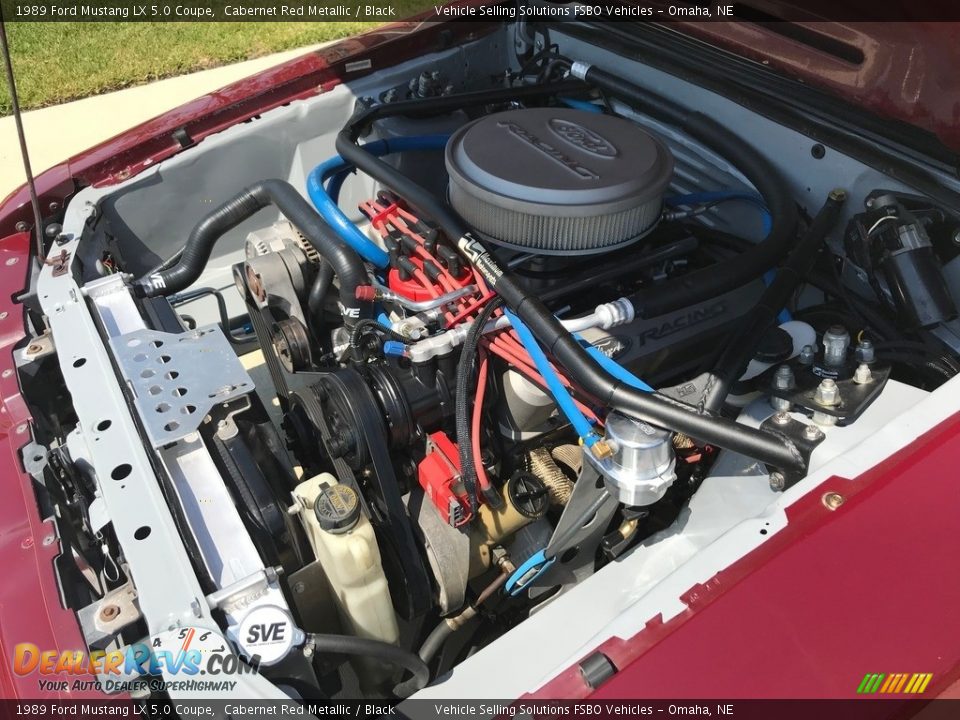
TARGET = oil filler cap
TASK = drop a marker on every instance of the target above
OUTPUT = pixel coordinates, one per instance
(337, 508)
(528, 495)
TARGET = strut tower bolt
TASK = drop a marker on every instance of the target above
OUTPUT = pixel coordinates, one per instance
(865, 351)
(827, 394)
(862, 375)
(812, 432)
(781, 417)
(783, 379)
(836, 342)
(777, 481)
(807, 354)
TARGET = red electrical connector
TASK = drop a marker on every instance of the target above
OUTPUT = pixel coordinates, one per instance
(366, 293)
(439, 476)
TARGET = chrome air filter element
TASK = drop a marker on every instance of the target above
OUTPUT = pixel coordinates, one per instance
(556, 181)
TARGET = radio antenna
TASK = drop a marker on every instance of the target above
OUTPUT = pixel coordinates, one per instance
(15, 104)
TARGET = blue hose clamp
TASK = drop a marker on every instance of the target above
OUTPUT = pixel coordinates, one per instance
(529, 571)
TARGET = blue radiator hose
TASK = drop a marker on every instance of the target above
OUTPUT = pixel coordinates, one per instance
(327, 206)
(567, 406)
(581, 105)
(613, 367)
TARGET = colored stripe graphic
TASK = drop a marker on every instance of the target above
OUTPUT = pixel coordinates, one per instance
(893, 683)
(871, 683)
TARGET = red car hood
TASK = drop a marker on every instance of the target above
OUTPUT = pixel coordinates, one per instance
(904, 71)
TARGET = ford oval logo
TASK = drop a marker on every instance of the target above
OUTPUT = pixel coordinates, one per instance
(612, 346)
(580, 137)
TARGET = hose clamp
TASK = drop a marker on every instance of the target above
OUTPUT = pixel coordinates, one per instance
(579, 69)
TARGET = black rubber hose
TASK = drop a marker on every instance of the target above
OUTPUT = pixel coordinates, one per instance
(379, 650)
(768, 447)
(920, 348)
(934, 371)
(587, 282)
(346, 264)
(732, 273)
(740, 348)
(318, 295)
(435, 641)
(166, 264)
(462, 400)
(866, 311)
(448, 626)
(654, 408)
(375, 326)
(427, 107)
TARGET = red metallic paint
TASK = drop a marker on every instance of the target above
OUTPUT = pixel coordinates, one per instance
(868, 587)
(30, 608)
(908, 71)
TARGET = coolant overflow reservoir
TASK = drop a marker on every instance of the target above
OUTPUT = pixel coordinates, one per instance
(343, 541)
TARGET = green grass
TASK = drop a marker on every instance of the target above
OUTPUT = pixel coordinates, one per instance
(58, 62)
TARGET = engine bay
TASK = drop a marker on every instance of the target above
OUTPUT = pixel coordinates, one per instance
(443, 358)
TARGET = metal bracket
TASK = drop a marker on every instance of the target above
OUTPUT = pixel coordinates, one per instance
(178, 377)
(102, 620)
(805, 440)
(39, 347)
(854, 397)
(576, 538)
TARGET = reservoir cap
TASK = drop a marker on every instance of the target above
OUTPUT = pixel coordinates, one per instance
(337, 508)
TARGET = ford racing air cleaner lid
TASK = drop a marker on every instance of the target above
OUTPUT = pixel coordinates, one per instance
(557, 180)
